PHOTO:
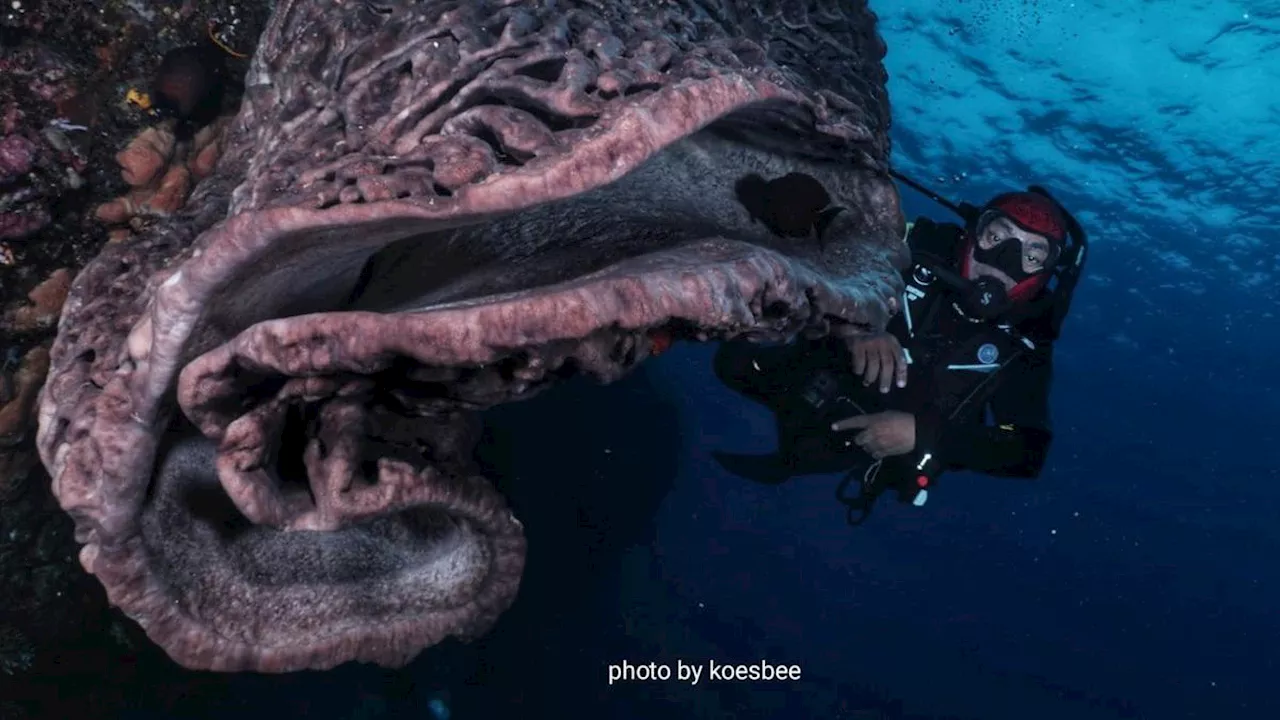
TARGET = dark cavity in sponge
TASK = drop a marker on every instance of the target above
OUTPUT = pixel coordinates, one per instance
(795, 205)
(189, 86)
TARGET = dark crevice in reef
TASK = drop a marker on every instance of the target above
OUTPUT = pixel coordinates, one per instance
(502, 151)
(545, 70)
(298, 429)
(545, 115)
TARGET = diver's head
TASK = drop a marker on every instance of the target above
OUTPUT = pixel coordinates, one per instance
(1016, 242)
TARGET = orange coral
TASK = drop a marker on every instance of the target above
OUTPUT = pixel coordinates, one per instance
(46, 304)
(17, 417)
(161, 173)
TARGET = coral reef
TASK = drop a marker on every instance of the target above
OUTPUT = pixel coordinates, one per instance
(68, 71)
(262, 409)
(17, 654)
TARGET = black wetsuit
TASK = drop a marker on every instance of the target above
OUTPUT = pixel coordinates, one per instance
(960, 370)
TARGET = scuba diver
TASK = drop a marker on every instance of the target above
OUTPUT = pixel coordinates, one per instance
(983, 304)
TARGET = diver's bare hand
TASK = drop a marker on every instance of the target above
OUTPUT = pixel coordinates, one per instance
(884, 434)
(879, 359)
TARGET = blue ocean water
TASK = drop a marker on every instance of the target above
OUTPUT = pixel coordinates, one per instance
(1136, 579)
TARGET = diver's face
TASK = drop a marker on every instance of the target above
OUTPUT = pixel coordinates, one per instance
(1032, 255)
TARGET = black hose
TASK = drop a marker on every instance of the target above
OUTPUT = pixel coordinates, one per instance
(953, 207)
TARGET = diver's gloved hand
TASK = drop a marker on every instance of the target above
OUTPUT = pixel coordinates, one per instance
(884, 434)
(878, 358)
